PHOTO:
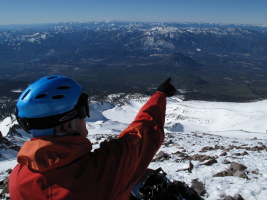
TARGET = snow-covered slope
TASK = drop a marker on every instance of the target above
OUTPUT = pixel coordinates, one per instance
(241, 120)
(196, 132)
(6, 124)
(237, 120)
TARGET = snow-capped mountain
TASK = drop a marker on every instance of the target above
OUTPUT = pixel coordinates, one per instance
(210, 61)
(57, 41)
(213, 138)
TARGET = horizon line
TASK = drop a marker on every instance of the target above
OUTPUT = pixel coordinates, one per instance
(131, 21)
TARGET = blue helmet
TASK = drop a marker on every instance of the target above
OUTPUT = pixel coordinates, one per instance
(51, 101)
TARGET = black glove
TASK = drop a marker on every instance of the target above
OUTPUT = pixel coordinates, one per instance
(167, 88)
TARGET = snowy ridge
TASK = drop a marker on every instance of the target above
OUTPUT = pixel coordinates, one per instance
(196, 132)
(6, 124)
(219, 118)
(17, 37)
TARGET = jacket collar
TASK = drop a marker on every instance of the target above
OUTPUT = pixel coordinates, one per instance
(50, 152)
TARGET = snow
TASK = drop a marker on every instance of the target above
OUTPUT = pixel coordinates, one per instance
(5, 125)
(43, 36)
(242, 120)
(217, 187)
(17, 91)
(189, 126)
(152, 31)
(237, 120)
(31, 40)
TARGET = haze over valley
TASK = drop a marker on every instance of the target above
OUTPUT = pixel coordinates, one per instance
(206, 61)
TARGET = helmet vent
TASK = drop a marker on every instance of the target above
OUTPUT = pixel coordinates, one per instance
(58, 97)
(40, 96)
(24, 96)
(63, 87)
(52, 77)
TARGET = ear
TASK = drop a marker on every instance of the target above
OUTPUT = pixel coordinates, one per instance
(70, 126)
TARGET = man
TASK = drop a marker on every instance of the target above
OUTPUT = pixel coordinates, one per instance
(58, 163)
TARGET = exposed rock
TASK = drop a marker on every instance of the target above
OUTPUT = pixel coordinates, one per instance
(223, 154)
(199, 187)
(237, 167)
(237, 154)
(191, 166)
(226, 162)
(189, 169)
(240, 174)
(210, 162)
(161, 156)
(228, 198)
(181, 154)
(255, 148)
(206, 148)
(244, 153)
(6, 144)
(202, 158)
(4, 188)
(255, 172)
(219, 147)
(170, 142)
(99, 138)
(241, 154)
(13, 130)
(231, 147)
(236, 197)
(111, 137)
(221, 174)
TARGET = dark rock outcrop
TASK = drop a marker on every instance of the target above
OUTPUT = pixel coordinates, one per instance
(235, 169)
(199, 187)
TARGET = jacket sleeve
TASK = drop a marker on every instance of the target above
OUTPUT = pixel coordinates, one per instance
(124, 160)
(148, 129)
(148, 124)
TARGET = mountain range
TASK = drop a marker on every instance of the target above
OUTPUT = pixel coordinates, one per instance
(117, 41)
(206, 61)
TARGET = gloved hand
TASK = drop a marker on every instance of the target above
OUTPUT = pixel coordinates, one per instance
(167, 88)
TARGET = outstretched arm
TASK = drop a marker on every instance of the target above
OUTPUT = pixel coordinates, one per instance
(148, 126)
(129, 156)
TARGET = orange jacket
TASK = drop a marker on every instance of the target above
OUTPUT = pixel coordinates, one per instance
(64, 167)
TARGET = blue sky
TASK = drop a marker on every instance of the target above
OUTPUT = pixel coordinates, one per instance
(212, 11)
